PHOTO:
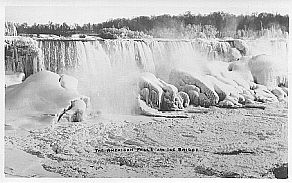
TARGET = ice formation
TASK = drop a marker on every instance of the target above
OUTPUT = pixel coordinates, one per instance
(42, 94)
(156, 93)
(163, 74)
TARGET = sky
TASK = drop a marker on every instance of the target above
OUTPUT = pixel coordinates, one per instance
(90, 11)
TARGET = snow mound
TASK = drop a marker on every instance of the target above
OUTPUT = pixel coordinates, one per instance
(68, 82)
(268, 70)
(39, 94)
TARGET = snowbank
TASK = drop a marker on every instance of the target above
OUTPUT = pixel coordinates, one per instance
(40, 94)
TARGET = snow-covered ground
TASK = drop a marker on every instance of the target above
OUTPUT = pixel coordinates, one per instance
(248, 143)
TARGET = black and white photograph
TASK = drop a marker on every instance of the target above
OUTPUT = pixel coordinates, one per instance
(145, 89)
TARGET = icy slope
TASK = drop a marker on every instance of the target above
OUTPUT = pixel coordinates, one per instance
(39, 95)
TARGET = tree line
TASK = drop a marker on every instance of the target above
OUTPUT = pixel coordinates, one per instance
(223, 23)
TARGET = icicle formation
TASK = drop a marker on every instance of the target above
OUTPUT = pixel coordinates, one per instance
(10, 29)
(143, 55)
(154, 56)
(22, 54)
(59, 55)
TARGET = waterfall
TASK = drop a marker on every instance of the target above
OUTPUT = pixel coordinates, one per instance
(108, 79)
(107, 70)
(59, 55)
